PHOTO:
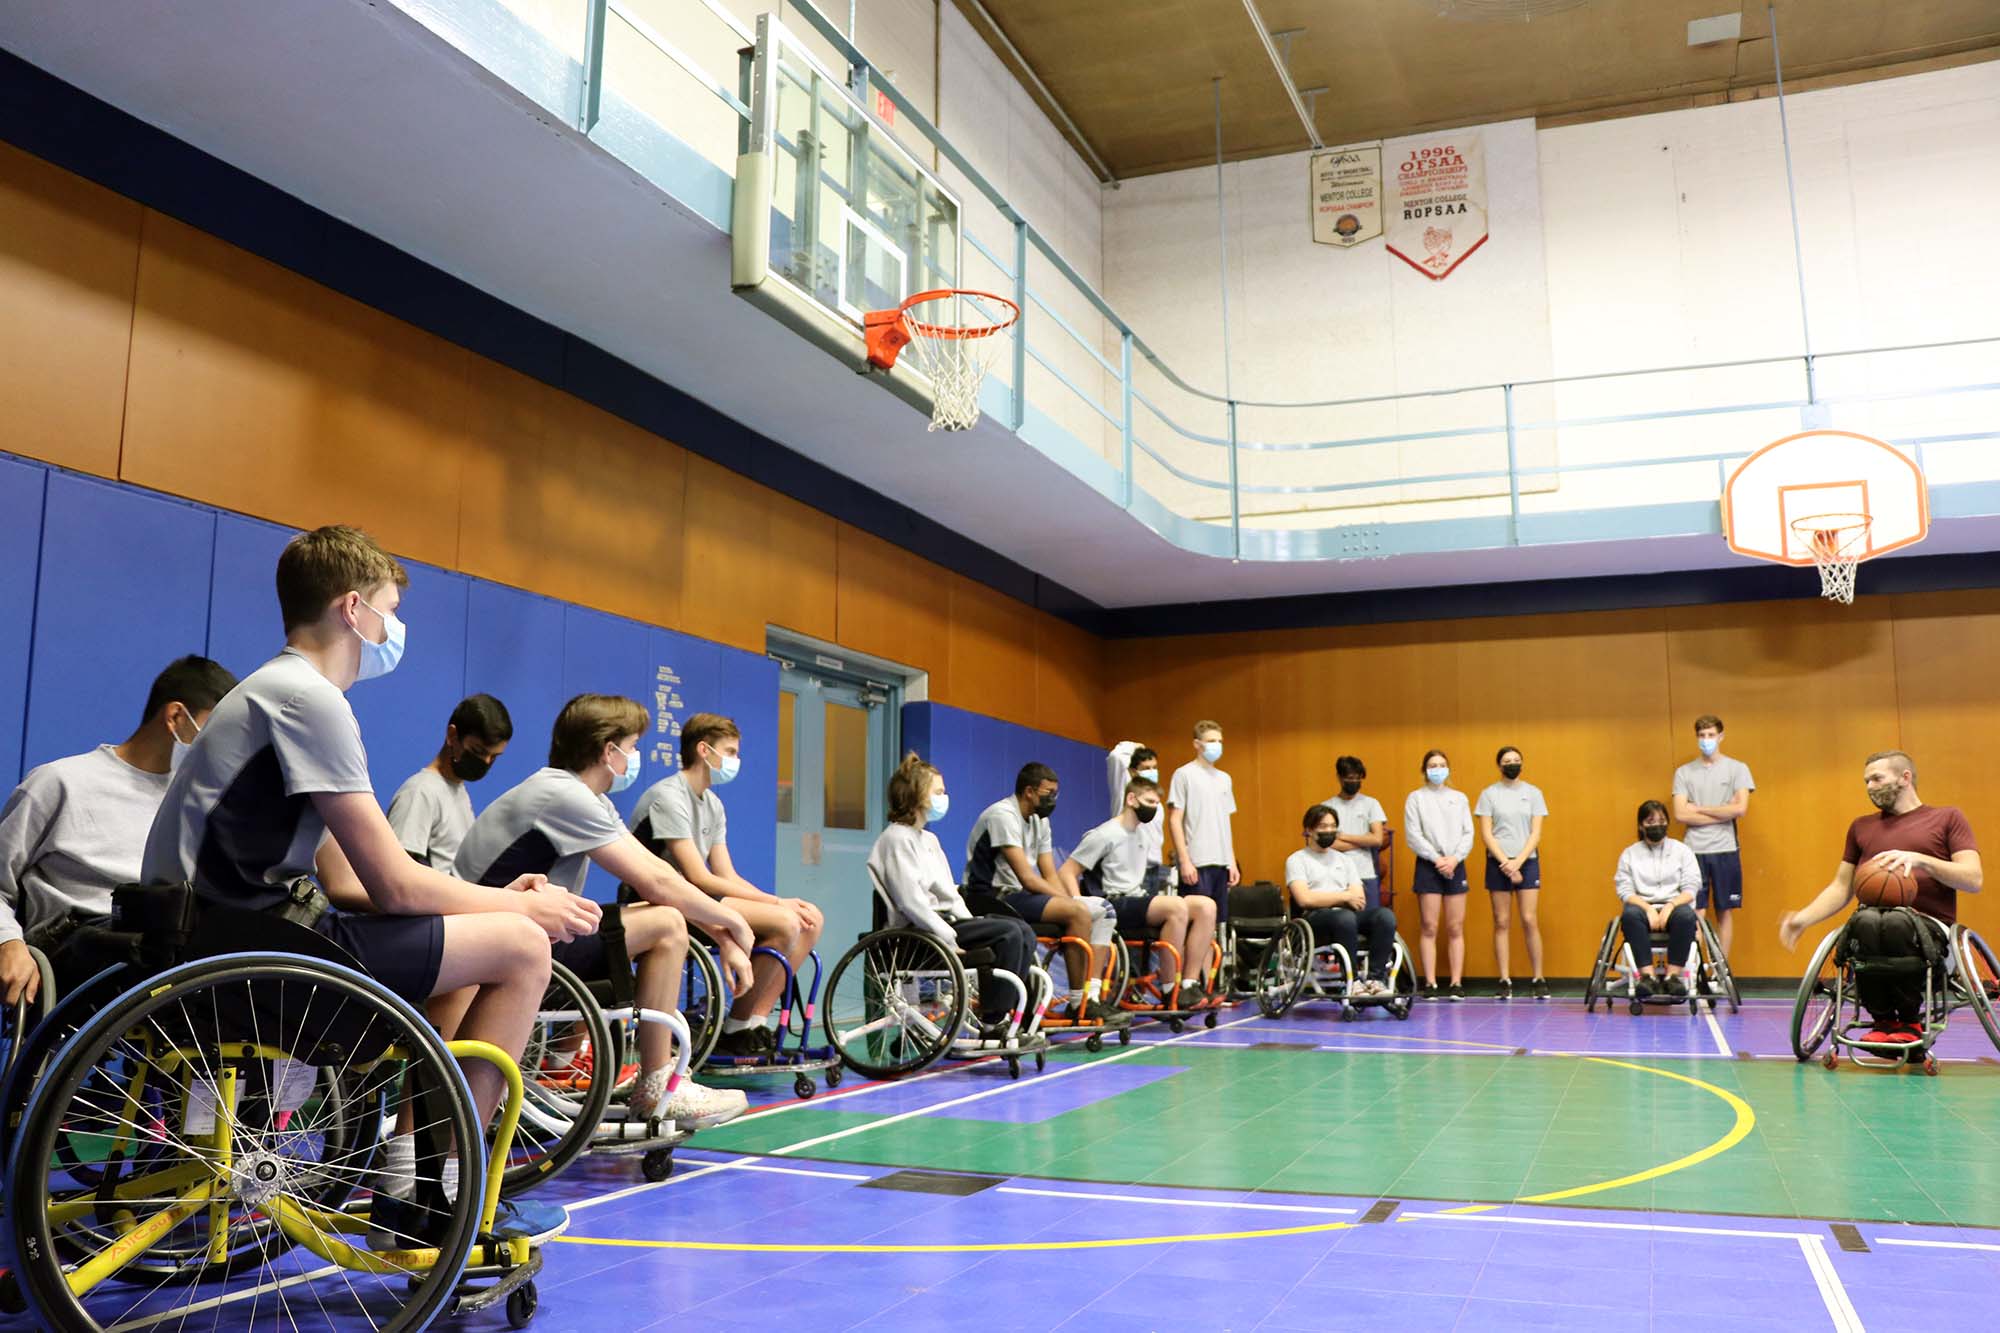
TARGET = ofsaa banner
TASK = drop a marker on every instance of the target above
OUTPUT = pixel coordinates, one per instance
(1437, 202)
(1347, 196)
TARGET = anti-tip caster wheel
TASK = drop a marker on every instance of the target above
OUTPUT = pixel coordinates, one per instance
(1208, 1020)
(657, 1165)
(1348, 1013)
(1636, 1007)
(1831, 1059)
(833, 1076)
(1930, 1065)
(521, 1306)
(1176, 1026)
(803, 1087)
(1013, 1067)
(1124, 1036)
(1041, 1061)
(1093, 1043)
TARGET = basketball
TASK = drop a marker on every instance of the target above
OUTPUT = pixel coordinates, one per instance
(1878, 885)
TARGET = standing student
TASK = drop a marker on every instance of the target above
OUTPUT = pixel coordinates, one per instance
(280, 766)
(1437, 821)
(431, 811)
(1711, 792)
(75, 828)
(559, 821)
(681, 820)
(1323, 884)
(1361, 822)
(1115, 851)
(1199, 803)
(1510, 814)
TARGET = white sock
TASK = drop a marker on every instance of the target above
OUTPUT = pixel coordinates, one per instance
(557, 1059)
(745, 1024)
(1091, 989)
(396, 1173)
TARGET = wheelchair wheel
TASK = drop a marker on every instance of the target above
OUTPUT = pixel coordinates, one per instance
(1594, 988)
(1817, 1007)
(896, 1002)
(1721, 981)
(701, 1003)
(1979, 974)
(216, 1141)
(29, 1061)
(557, 1122)
(1118, 975)
(1281, 972)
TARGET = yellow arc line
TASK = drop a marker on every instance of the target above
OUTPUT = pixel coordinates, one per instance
(1746, 1120)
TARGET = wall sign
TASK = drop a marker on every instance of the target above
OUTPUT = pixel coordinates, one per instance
(1346, 186)
(1437, 202)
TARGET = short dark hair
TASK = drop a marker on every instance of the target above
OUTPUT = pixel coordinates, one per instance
(1347, 766)
(483, 716)
(909, 788)
(1430, 755)
(704, 729)
(1902, 758)
(1142, 754)
(1506, 750)
(1652, 808)
(316, 567)
(195, 683)
(1032, 776)
(588, 723)
(1139, 787)
(1705, 721)
(1315, 813)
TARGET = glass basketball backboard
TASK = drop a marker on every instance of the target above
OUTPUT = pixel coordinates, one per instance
(832, 217)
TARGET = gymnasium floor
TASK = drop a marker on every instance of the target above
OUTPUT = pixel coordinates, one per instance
(1481, 1166)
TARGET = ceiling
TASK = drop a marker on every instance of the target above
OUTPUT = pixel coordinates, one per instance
(1135, 78)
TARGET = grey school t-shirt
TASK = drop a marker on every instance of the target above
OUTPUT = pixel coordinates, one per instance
(1511, 808)
(549, 825)
(669, 812)
(1118, 857)
(71, 833)
(238, 819)
(431, 817)
(1206, 798)
(1358, 816)
(1704, 783)
(1001, 825)
(1320, 870)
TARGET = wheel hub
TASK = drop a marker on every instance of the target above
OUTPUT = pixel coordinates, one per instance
(258, 1177)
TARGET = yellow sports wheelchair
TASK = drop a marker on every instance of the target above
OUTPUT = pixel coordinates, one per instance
(198, 1149)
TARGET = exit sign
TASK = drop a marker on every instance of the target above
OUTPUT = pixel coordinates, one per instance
(885, 110)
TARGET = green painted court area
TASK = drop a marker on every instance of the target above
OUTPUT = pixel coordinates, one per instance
(1477, 1126)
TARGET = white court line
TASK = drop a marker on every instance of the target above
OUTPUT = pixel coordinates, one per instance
(650, 1185)
(217, 1302)
(1039, 1081)
(1935, 1244)
(1178, 1203)
(1831, 1293)
(1715, 1030)
(795, 1171)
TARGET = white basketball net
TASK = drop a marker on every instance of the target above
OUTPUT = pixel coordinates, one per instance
(953, 341)
(1837, 543)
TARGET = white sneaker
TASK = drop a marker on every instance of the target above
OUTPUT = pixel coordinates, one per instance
(694, 1107)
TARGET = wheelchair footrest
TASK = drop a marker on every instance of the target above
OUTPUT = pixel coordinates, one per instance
(501, 1282)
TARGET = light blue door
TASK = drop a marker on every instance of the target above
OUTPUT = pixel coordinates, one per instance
(834, 745)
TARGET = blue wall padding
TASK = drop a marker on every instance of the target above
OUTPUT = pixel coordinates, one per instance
(747, 690)
(979, 757)
(514, 652)
(245, 629)
(22, 486)
(123, 590)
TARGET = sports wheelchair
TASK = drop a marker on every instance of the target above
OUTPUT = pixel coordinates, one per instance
(217, 1108)
(1295, 968)
(1137, 990)
(1828, 1011)
(1706, 969)
(901, 999)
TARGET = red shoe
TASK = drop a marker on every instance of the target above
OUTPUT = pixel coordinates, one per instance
(1884, 1035)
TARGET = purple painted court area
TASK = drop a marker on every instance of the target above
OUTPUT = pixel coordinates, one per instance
(1045, 1099)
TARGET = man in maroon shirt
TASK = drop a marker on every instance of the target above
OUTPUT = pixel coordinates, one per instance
(1934, 844)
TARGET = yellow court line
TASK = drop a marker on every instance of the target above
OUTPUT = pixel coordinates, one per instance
(1746, 1120)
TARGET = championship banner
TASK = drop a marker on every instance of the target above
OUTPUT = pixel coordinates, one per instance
(1347, 196)
(1437, 203)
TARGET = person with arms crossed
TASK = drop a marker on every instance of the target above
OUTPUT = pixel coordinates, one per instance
(1437, 821)
(1322, 882)
(432, 810)
(75, 828)
(1362, 822)
(1115, 851)
(1510, 814)
(1931, 843)
(680, 819)
(1657, 880)
(1712, 792)
(1200, 801)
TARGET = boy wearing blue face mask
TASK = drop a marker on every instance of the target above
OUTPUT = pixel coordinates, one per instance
(1200, 801)
(1437, 820)
(1712, 792)
(681, 820)
(431, 812)
(75, 827)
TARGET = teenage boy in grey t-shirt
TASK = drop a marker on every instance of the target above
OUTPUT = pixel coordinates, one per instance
(681, 820)
(75, 828)
(1200, 802)
(1361, 821)
(1712, 792)
(432, 811)
(1115, 853)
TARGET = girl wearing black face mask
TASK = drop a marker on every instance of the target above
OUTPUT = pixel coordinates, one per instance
(1510, 814)
(431, 811)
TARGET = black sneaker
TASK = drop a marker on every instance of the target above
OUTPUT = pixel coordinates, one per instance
(1541, 989)
(1645, 987)
(1431, 991)
(1504, 989)
(400, 1223)
(1677, 987)
(744, 1043)
(1457, 992)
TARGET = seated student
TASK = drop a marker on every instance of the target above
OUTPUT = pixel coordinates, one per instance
(680, 819)
(280, 764)
(74, 829)
(432, 810)
(1116, 851)
(1322, 882)
(1931, 843)
(1657, 880)
(557, 822)
(910, 865)
(1010, 859)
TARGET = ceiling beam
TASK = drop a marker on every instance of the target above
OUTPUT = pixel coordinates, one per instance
(1284, 71)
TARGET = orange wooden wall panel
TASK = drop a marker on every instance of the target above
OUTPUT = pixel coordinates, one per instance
(990, 653)
(754, 558)
(69, 253)
(1069, 680)
(257, 390)
(891, 604)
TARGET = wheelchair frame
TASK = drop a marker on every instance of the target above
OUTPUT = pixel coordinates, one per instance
(1706, 968)
(1293, 964)
(1828, 1012)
